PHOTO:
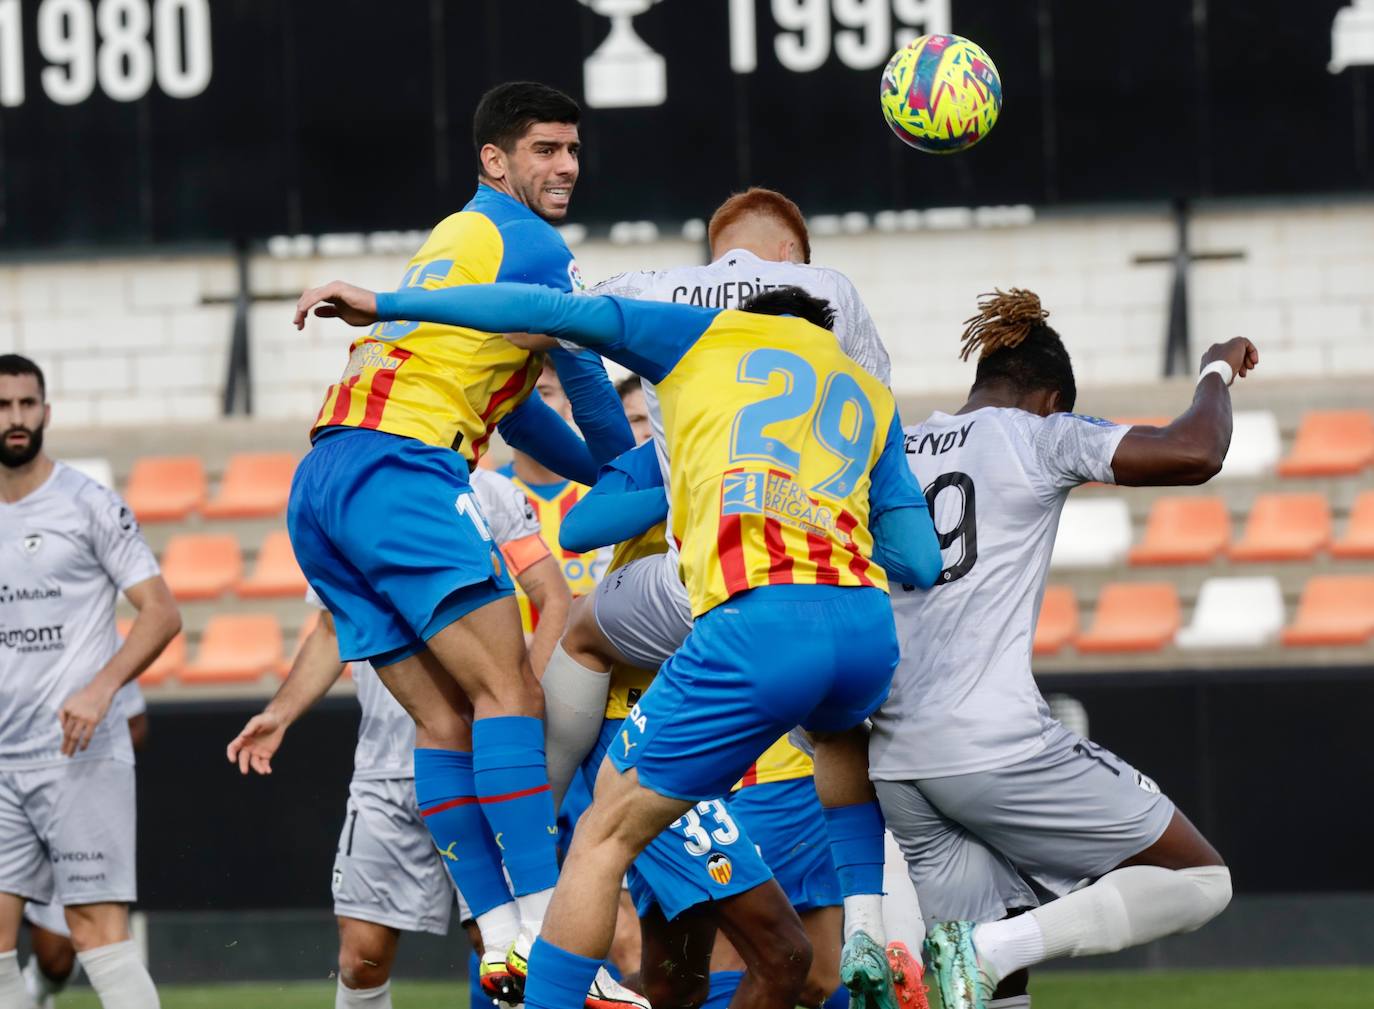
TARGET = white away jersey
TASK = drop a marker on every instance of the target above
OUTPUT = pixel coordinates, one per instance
(66, 552)
(386, 734)
(963, 698)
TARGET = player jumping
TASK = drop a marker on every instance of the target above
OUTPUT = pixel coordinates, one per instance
(772, 497)
(993, 801)
(387, 531)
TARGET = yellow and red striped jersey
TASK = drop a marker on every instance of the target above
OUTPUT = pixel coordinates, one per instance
(780, 762)
(446, 385)
(550, 503)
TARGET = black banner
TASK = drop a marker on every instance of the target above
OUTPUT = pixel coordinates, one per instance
(146, 121)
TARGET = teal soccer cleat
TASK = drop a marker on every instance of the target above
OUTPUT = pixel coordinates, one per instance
(864, 970)
(954, 962)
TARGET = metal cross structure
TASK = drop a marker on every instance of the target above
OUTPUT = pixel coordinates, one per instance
(1177, 354)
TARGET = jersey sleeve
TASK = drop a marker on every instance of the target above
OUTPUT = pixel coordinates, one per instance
(857, 332)
(534, 253)
(116, 539)
(1072, 449)
(638, 468)
(507, 510)
(631, 284)
(463, 248)
(893, 485)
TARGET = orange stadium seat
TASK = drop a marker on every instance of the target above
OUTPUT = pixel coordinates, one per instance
(1133, 617)
(256, 485)
(166, 488)
(1184, 530)
(200, 566)
(1058, 620)
(1331, 443)
(276, 573)
(1285, 527)
(237, 649)
(168, 664)
(1358, 540)
(1334, 610)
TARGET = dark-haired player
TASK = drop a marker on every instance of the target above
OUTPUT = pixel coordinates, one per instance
(68, 548)
(389, 534)
(995, 803)
(785, 493)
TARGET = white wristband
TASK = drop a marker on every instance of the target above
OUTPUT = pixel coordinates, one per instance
(1227, 373)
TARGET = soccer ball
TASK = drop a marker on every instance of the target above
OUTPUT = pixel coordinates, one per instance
(940, 94)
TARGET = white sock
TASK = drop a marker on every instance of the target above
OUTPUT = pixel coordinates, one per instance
(1006, 946)
(574, 710)
(499, 927)
(363, 998)
(902, 918)
(1127, 907)
(12, 991)
(864, 912)
(533, 907)
(117, 974)
(1010, 1002)
(39, 985)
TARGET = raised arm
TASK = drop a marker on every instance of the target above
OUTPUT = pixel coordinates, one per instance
(1192, 448)
(904, 539)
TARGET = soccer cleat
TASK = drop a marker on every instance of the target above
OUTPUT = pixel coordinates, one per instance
(497, 980)
(605, 991)
(962, 984)
(908, 977)
(865, 972)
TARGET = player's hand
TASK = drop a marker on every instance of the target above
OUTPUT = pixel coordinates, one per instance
(1238, 352)
(356, 306)
(255, 745)
(80, 715)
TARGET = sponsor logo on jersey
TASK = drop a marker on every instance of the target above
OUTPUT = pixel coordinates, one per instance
(33, 639)
(625, 740)
(575, 279)
(638, 719)
(21, 594)
(720, 868)
(1099, 421)
(370, 355)
(32, 542)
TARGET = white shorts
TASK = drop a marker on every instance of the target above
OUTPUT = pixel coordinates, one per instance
(643, 610)
(979, 845)
(67, 833)
(387, 870)
(51, 916)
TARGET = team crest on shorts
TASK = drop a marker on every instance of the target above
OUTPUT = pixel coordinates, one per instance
(336, 884)
(1146, 784)
(720, 868)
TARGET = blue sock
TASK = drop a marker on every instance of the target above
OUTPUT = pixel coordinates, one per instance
(447, 796)
(839, 999)
(723, 985)
(558, 979)
(856, 845)
(476, 996)
(513, 785)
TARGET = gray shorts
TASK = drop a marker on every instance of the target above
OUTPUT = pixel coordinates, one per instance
(387, 870)
(67, 833)
(643, 610)
(51, 916)
(978, 845)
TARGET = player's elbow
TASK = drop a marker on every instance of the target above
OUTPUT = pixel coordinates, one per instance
(1197, 462)
(907, 547)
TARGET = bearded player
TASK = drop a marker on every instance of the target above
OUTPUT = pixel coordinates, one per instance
(389, 534)
(774, 524)
(995, 804)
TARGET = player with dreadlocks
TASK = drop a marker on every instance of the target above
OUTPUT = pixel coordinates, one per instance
(999, 808)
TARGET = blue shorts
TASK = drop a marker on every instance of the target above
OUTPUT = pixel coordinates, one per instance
(751, 670)
(378, 529)
(704, 855)
(785, 820)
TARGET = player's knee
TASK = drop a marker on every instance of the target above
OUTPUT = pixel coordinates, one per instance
(820, 983)
(783, 962)
(56, 959)
(676, 986)
(1212, 884)
(582, 639)
(361, 968)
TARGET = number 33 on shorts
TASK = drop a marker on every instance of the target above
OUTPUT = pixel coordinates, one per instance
(699, 834)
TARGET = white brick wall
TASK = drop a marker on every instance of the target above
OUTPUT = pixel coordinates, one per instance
(129, 340)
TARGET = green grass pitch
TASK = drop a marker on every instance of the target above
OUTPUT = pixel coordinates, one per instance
(1334, 988)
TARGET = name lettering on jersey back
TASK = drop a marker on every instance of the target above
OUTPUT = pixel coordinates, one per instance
(937, 444)
(723, 295)
(776, 496)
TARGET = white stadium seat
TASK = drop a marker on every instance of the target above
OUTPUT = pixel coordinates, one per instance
(1255, 446)
(1095, 533)
(96, 468)
(1235, 613)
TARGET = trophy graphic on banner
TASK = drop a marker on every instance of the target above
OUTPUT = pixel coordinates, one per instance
(624, 72)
